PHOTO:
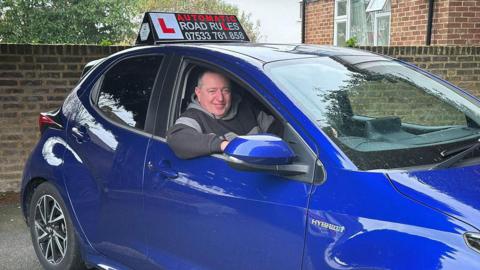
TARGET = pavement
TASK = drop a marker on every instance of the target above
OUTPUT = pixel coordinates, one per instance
(16, 250)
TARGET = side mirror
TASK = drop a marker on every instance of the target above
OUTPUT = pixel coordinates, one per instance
(266, 153)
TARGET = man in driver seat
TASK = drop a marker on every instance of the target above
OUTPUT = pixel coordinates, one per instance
(215, 117)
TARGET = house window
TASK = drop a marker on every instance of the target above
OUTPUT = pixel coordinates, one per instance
(300, 3)
(366, 20)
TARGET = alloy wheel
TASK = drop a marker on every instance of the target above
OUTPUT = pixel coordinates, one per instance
(50, 229)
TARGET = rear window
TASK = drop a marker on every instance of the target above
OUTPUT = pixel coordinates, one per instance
(126, 88)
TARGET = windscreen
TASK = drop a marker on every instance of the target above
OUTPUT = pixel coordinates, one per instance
(381, 113)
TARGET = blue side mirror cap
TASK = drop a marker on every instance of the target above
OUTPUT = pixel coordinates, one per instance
(261, 149)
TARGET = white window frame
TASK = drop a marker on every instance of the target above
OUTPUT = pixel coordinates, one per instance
(342, 18)
(373, 5)
(375, 26)
(346, 19)
(300, 14)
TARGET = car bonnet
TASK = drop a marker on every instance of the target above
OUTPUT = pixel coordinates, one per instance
(453, 191)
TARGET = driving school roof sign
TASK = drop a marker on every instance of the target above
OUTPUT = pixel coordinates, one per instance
(160, 27)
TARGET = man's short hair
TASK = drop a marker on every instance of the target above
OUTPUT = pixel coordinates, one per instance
(200, 77)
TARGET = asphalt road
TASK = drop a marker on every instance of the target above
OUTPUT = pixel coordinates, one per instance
(16, 250)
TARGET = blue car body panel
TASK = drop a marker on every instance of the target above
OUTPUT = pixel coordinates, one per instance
(453, 191)
(210, 216)
(46, 161)
(136, 205)
(104, 179)
(248, 219)
(359, 221)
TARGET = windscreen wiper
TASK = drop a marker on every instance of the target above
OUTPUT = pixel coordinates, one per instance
(458, 154)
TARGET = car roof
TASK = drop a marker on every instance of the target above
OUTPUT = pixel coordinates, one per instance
(266, 52)
(269, 52)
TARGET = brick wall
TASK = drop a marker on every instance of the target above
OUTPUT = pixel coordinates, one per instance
(439, 23)
(383, 98)
(459, 65)
(319, 22)
(455, 22)
(36, 78)
(408, 22)
(462, 24)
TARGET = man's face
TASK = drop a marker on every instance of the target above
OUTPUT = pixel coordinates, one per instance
(213, 93)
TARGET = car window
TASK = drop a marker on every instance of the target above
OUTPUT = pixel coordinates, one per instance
(382, 98)
(381, 113)
(190, 81)
(248, 95)
(126, 89)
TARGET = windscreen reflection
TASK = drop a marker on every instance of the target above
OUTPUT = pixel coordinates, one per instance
(381, 113)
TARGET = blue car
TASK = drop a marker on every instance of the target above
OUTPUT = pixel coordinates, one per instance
(377, 165)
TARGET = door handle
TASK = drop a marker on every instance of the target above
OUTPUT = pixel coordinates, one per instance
(164, 168)
(80, 134)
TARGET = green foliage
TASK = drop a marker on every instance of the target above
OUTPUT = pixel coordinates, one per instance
(66, 21)
(105, 42)
(352, 42)
(203, 6)
(103, 22)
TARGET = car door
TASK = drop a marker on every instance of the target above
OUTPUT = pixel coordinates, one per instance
(203, 214)
(107, 135)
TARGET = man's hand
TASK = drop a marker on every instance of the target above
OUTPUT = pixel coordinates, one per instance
(223, 145)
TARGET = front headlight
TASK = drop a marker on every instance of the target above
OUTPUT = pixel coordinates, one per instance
(473, 240)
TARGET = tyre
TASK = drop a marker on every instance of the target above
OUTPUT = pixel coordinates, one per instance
(53, 236)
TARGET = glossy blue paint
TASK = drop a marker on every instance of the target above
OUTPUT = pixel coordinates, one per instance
(260, 149)
(213, 217)
(454, 191)
(45, 162)
(381, 228)
(136, 205)
(104, 179)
